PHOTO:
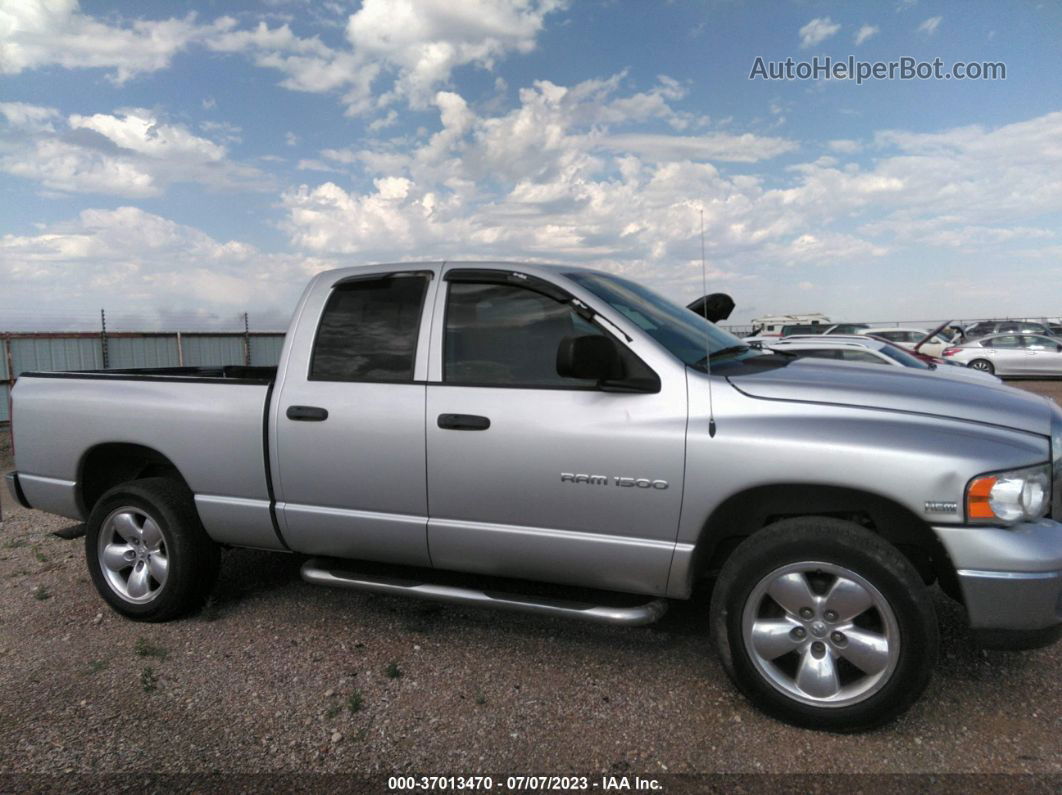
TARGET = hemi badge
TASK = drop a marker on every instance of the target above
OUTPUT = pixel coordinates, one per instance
(942, 507)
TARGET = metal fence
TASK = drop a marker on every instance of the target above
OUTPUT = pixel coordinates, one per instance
(28, 352)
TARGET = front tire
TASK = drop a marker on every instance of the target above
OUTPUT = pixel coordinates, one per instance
(148, 555)
(823, 624)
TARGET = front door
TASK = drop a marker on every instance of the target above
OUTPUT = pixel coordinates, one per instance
(538, 476)
(1044, 358)
(349, 460)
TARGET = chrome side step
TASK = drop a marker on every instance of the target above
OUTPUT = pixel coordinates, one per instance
(321, 572)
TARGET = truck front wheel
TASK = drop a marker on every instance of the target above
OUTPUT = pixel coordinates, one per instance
(147, 552)
(823, 624)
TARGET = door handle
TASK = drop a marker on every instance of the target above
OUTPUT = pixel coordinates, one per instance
(307, 413)
(463, 422)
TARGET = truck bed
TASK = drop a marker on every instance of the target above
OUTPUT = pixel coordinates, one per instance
(209, 422)
(231, 373)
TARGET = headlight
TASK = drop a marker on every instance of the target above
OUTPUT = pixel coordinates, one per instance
(1015, 496)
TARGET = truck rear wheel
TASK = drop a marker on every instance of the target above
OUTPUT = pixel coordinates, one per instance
(823, 624)
(147, 552)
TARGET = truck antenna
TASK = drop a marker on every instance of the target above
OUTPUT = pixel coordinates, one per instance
(707, 340)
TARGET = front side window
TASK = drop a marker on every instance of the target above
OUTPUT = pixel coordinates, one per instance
(1040, 343)
(506, 335)
(369, 329)
(498, 334)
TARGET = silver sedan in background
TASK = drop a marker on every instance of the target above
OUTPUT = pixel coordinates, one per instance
(1028, 355)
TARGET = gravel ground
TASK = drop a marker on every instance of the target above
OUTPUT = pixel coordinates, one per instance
(280, 676)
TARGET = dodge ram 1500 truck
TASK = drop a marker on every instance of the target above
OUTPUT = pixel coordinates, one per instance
(532, 424)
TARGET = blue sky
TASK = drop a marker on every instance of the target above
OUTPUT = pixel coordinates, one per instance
(181, 162)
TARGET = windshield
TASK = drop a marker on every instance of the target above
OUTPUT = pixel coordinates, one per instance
(686, 334)
(903, 357)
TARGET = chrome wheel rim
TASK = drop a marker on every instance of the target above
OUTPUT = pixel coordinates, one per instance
(821, 634)
(133, 555)
(981, 366)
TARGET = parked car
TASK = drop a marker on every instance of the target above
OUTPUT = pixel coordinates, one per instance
(909, 337)
(868, 350)
(1011, 355)
(845, 328)
(771, 325)
(986, 328)
(833, 328)
(557, 424)
(803, 328)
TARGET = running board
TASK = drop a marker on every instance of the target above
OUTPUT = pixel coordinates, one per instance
(320, 572)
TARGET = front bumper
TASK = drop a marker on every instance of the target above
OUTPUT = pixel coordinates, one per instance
(1011, 580)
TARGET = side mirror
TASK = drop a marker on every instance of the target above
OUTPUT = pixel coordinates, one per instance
(594, 357)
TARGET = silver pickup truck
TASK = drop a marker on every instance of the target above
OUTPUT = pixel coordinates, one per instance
(524, 425)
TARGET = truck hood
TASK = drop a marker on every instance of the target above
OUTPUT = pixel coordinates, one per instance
(897, 389)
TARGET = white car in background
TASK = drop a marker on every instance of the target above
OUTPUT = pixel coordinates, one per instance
(864, 350)
(1028, 355)
(910, 337)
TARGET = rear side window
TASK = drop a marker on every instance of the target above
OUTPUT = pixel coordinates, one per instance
(818, 353)
(861, 356)
(369, 330)
(1009, 341)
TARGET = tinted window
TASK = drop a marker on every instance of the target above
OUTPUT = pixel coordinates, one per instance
(1040, 343)
(1007, 341)
(903, 357)
(861, 356)
(824, 353)
(369, 329)
(682, 332)
(498, 334)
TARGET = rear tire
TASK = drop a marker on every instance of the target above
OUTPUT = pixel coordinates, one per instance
(983, 365)
(148, 554)
(823, 624)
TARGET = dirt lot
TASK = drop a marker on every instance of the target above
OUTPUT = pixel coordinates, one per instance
(278, 675)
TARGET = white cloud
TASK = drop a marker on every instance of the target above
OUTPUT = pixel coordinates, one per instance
(36, 33)
(130, 260)
(724, 147)
(132, 153)
(415, 45)
(550, 180)
(140, 131)
(425, 41)
(866, 32)
(34, 118)
(845, 146)
(817, 31)
(929, 26)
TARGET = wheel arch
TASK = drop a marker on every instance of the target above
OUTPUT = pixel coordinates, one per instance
(104, 466)
(748, 511)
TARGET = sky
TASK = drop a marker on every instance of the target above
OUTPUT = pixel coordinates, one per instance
(179, 163)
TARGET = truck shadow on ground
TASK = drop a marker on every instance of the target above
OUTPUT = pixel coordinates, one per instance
(248, 575)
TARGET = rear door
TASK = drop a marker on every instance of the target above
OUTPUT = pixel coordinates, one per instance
(348, 455)
(1007, 354)
(537, 476)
